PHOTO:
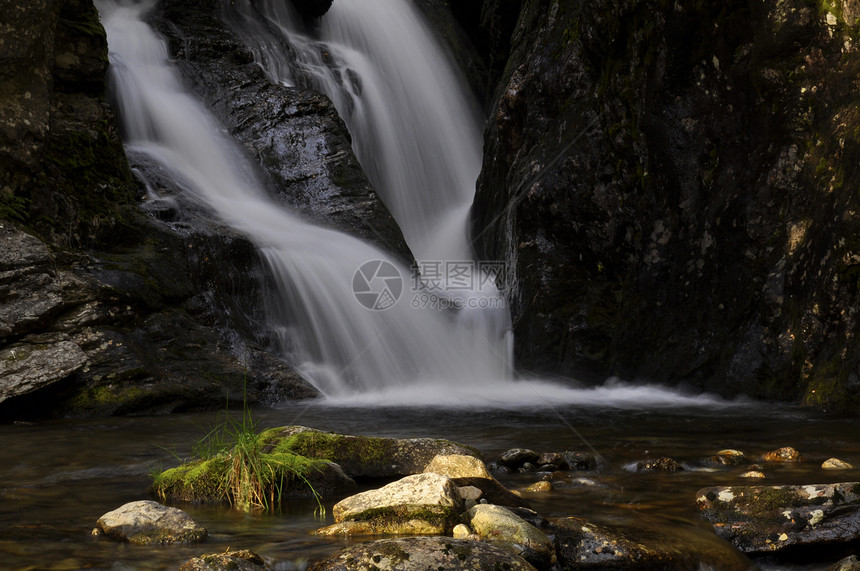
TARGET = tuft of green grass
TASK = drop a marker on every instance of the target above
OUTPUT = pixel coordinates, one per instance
(229, 464)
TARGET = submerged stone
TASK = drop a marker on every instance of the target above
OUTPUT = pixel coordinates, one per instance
(242, 560)
(585, 545)
(421, 554)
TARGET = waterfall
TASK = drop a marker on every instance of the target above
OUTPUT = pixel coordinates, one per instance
(329, 334)
(415, 130)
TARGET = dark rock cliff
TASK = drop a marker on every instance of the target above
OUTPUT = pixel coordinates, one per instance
(296, 135)
(103, 308)
(675, 187)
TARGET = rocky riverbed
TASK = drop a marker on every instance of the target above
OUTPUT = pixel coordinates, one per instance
(449, 511)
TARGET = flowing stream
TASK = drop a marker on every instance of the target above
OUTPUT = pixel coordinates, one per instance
(57, 478)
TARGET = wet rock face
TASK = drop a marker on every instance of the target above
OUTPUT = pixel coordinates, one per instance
(311, 8)
(295, 135)
(62, 168)
(671, 185)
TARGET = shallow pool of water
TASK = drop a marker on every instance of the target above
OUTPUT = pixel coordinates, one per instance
(58, 477)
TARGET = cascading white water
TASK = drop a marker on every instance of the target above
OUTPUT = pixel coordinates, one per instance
(340, 345)
(415, 130)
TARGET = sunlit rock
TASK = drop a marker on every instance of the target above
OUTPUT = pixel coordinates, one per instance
(461, 531)
(784, 454)
(149, 523)
(836, 464)
(542, 486)
(421, 504)
(502, 527)
(458, 466)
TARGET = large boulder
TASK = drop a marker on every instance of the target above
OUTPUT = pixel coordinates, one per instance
(421, 504)
(149, 523)
(763, 519)
(420, 554)
(364, 456)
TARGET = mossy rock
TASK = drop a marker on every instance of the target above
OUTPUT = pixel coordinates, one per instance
(280, 475)
(363, 456)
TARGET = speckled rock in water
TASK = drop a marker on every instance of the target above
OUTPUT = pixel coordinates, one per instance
(752, 474)
(502, 527)
(421, 554)
(727, 457)
(664, 464)
(586, 546)
(149, 523)
(758, 519)
(243, 560)
(836, 464)
(784, 454)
